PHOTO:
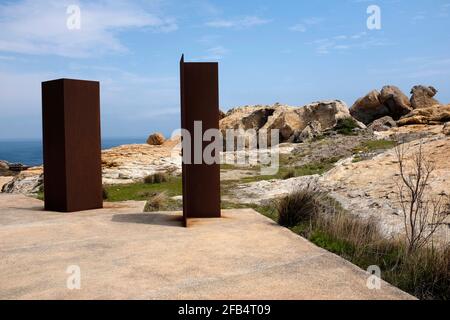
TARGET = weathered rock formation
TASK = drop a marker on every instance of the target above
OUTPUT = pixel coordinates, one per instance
(369, 108)
(290, 121)
(383, 124)
(430, 115)
(4, 165)
(156, 139)
(446, 129)
(422, 97)
(313, 130)
(389, 102)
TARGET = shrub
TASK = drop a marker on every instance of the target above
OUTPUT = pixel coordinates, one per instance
(302, 206)
(290, 174)
(346, 126)
(156, 202)
(158, 177)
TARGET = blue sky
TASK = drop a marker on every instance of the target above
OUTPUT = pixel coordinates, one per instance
(293, 52)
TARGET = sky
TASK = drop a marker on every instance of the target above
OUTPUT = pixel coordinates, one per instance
(292, 52)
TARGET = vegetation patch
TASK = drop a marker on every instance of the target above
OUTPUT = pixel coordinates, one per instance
(314, 215)
(374, 145)
(346, 126)
(158, 177)
(160, 201)
(287, 172)
(142, 191)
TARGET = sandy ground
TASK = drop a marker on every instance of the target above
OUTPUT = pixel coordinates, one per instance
(123, 253)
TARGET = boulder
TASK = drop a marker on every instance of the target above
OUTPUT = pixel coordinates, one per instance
(312, 130)
(396, 101)
(383, 124)
(286, 120)
(248, 117)
(389, 102)
(25, 184)
(431, 115)
(446, 129)
(290, 121)
(369, 108)
(422, 97)
(156, 139)
(4, 165)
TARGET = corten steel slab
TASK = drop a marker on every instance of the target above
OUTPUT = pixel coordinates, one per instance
(200, 102)
(72, 147)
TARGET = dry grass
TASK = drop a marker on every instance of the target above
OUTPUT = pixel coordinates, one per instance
(158, 177)
(156, 202)
(160, 201)
(317, 217)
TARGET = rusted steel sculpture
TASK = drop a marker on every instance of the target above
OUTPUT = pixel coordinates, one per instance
(199, 103)
(72, 147)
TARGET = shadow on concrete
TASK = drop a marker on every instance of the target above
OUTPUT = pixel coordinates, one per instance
(37, 208)
(157, 219)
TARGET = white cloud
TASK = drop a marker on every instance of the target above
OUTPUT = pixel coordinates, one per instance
(298, 28)
(39, 27)
(303, 26)
(346, 42)
(238, 23)
(216, 53)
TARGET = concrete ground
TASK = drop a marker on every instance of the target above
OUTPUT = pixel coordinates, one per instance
(126, 254)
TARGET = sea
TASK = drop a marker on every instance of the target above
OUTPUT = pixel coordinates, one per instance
(29, 152)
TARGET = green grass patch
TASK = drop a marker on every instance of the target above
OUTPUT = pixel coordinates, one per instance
(346, 127)
(374, 145)
(286, 172)
(142, 191)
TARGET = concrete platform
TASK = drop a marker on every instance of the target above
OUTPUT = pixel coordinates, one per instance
(126, 254)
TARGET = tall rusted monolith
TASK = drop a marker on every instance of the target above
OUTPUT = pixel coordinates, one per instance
(72, 147)
(199, 103)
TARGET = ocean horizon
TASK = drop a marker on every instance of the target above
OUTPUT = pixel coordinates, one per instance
(29, 151)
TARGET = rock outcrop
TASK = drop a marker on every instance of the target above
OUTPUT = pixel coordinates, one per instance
(391, 101)
(396, 101)
(290, 121)
(431, 115)
(313, 130)
(156, 139)
(25, 183)
(4, 165)
(369, 108)
(422, 97)
(446, 129)
(383, 124)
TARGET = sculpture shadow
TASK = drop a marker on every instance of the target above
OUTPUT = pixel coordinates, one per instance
(158, 219)
(34, 208)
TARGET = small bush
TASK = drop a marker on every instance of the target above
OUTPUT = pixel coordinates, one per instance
(346, 126)
(290, 174)
(162, 202)
(158, 177)
(301, 206)
(156, 202)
